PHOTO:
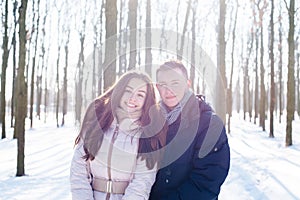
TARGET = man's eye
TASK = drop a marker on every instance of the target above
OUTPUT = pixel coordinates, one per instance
(175, 83)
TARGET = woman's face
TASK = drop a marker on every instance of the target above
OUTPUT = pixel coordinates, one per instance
(134, 96)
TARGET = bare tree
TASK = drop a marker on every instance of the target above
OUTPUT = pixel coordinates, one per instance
(298, 77)
(33, 65)
(247, 97)
(193, 62)
(59, 43)
(3, 71)
(14, 43)
(221, 67)
(272, 94)
(79, 72)
(262, 104)
(148, 54)
(132, 19)
(110, 43)
(21, 94)
(229, 91)
(100, 64)
(180, 51)
(256, 101)
(40, 72)
(65, 83)
(291, 78)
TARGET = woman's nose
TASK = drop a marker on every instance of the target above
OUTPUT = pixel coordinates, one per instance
(132, 98)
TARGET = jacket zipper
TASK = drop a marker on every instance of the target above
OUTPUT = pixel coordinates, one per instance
(113, 139)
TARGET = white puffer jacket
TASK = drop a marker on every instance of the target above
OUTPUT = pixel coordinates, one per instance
(124, 167)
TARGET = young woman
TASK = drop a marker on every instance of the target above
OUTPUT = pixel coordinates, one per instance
(117, 149)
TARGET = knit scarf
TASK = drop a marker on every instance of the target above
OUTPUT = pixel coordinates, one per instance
(126, 121)
(172, 115)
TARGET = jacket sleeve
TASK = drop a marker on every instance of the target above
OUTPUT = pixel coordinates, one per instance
(143, 179)
(211, 160)
(80, 177)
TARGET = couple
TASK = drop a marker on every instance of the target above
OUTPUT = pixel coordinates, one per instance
(130, 148)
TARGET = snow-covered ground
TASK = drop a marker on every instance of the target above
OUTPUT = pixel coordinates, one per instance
(261, 167)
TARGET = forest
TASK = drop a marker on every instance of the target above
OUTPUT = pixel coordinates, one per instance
(57, 56)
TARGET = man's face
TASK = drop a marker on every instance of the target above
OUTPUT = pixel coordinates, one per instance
(172, 86)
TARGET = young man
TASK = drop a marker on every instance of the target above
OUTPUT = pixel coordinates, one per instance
(197, 155)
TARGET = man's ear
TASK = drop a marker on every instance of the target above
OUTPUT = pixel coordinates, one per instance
(189, 83)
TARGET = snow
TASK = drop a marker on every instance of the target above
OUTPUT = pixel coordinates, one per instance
(261, 167)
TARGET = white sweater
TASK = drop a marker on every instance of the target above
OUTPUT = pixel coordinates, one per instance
(124, 167)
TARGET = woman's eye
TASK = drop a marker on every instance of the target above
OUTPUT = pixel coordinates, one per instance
(127, 91)
(141, 95)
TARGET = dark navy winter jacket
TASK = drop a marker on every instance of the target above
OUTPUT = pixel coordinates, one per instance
(196, 158)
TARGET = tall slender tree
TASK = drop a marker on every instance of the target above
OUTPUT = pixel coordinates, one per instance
(182, 41)
(100, 64)
(79, 73)
(65, 84)
(229, 91)
(291, 77)
(280, 30)
(14, 43)
(148, 54)
(132, 20)
(59, 43)
(3, 71)
(247, 97)
(110, 43)
(21, 94)
(272, 90)
(33, 64)
(221, 66)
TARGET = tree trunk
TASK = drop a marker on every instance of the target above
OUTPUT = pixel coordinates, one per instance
(291, 78)
(110, 43)
(33, 66)
(193, 59)
(100, 64)
(298, 81)
(280, 30)
(79, 80)
(180, 51)
(229, 94)
(256, 100)
(14, 68)
(57, 86)
(39, 89)
(132, 18)
(221, 67)
(4, 67)
(262, 84)
(177, 24)
(65, 86)
(21, 94)
(247, 97)
(148, 55)
(272, 95)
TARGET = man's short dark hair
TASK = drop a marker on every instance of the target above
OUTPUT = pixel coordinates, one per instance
(173, 64)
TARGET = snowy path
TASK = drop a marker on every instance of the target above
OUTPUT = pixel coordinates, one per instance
(261, 168)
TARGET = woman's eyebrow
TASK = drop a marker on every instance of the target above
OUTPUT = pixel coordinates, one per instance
(139, 90)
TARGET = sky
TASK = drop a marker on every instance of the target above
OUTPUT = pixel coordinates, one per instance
(261, 168)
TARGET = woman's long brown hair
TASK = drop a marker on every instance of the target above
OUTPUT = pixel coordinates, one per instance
(100, 115)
